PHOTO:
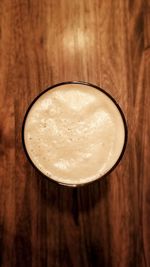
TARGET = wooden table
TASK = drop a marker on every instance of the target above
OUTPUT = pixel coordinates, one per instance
(106, 223)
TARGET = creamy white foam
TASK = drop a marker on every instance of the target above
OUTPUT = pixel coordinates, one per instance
(74, 133)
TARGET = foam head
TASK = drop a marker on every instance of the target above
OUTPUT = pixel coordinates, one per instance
(74, 133)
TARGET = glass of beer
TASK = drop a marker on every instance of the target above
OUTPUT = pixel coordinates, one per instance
(74, 133)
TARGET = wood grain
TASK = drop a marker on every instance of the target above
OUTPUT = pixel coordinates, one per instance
(106, 223)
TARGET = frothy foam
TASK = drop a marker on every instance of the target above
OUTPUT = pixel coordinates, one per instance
(74, 133)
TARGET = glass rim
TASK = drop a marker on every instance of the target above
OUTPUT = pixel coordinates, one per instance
(101, 90)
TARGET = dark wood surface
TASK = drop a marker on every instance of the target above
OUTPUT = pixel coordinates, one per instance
(107, 223)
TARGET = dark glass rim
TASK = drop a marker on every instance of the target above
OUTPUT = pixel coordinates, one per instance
(116, 104)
